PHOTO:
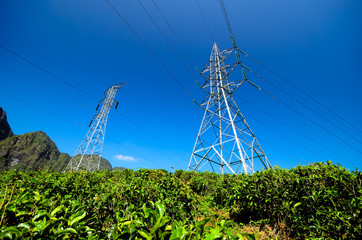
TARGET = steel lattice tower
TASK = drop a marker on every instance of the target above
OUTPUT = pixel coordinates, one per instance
(88, 155)
(225, 141)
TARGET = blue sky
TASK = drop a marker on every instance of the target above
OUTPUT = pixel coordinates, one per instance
(315, 45)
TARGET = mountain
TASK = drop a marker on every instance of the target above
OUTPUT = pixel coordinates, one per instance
(32, 151)
(5, 130)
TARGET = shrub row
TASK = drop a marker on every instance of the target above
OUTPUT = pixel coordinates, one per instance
(317, 200)
(321, 200)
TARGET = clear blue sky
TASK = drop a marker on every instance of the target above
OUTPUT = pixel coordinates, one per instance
(314, 44)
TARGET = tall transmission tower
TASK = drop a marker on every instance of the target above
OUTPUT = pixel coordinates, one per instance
(225, 142)
(88, 155)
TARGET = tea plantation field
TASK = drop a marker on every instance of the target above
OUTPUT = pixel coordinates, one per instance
(321, 200)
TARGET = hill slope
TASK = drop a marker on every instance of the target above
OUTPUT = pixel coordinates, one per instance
(32, 151)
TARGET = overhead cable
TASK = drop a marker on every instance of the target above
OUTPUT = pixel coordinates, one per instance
(306, 106)
(47, 72)
(151, 51)
(174, 33)
(287, 137)
(225, 14)
(293, 128)
(303, 92)
(203, 17)
(168, 42)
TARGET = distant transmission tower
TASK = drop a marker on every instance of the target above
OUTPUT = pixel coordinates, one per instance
(88, 155)
(225, 142)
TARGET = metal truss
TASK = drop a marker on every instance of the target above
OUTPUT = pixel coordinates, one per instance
(225, 142)
(89, 153)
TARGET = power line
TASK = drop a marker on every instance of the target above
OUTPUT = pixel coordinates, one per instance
(308, 107)
(291, 127)
(168, 42)
(151, 51)
(279, 149)
(285, 136)
(303, 92)
(204, 18)
(41, 84)
(45, 71)
(314, 122)
(319, 125)
(226, 18)
(39, 108)
(173, 32)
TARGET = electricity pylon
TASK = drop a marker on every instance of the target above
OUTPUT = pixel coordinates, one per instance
(225, 141)
(88, 155)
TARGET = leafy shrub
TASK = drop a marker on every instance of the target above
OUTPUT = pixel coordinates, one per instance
(320, 200)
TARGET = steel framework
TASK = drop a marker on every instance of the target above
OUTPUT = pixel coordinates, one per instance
(225, 142)
(89, 153)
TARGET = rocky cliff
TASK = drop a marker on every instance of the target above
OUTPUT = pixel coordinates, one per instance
(5, 130)
(32, 151)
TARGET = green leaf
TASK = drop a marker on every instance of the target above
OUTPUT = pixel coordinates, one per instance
(36, 196)
(39, 215)
(161, 209)
(76, 219)
(21, 213)
(57, 209)
(67, 230)
(142, 233)
(10, 232)
(297, 204)
(201, 225)
(5, 235)
(40, 225)
(24, 225)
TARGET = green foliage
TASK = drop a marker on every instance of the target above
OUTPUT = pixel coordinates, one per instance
(318, 200)
(315, 201)
(46, 201)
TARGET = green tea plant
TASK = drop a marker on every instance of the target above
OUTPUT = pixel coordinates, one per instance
(320, 200)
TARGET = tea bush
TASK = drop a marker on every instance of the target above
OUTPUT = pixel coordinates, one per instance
(320, 200)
